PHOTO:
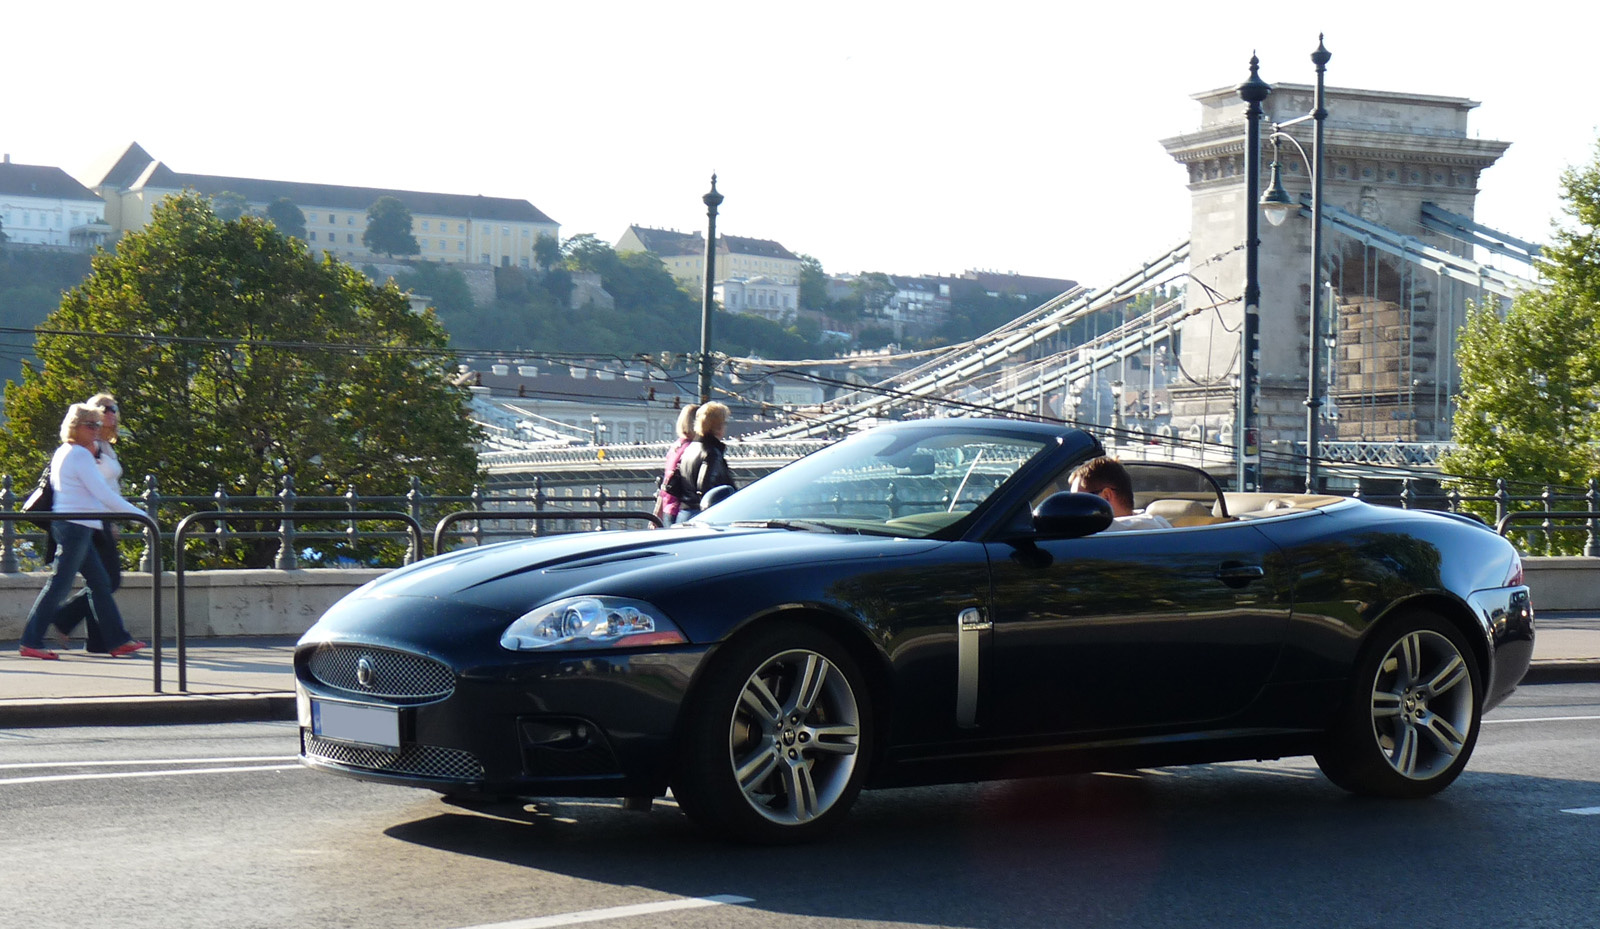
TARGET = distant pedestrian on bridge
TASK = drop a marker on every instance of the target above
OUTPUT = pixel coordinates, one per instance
(668, 491)
(79, 487)
(705, 461)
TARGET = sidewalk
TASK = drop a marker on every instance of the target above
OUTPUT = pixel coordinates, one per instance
(228, 680)
(252, 678)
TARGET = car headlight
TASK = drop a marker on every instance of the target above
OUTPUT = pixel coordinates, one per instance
(591, 622)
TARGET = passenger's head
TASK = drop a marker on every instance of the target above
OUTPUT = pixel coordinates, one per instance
(686, 421)
(1108, 479)
(712, 419)
(79, 416)
(110, 411)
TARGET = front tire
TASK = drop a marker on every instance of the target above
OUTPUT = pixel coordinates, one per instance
(776, 738)
(1411, 719)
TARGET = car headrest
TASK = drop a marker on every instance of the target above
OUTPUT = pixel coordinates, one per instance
(1171, 510)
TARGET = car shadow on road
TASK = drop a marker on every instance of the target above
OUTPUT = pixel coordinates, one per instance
(1228, 844)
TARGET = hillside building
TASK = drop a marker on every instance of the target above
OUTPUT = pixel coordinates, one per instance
(43, 205)
(449, 228)
(739, 259)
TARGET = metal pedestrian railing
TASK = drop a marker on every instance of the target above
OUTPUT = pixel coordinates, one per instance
(151, 529)
(286, 518)
(537, 517)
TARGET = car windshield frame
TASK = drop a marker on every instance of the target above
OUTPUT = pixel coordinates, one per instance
(904, 483)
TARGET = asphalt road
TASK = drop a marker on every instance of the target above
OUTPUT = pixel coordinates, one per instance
(216, 826)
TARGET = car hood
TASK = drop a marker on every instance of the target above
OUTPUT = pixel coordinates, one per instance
(514, 577)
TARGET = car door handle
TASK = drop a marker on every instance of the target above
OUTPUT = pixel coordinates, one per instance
(1238, 574)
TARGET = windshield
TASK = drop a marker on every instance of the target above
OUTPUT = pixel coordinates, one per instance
(881, 483)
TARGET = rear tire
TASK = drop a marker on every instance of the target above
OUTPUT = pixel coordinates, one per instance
(776, 737)
(1411, 718)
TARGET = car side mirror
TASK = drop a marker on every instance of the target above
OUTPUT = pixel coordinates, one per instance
(716, 495)
(1068, 515)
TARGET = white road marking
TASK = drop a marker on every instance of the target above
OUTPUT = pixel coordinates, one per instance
(1585, 811)
(114, 775)
(1543, 719)
(96, 764)
(614, 912)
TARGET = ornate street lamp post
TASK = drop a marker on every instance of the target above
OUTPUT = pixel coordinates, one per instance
(712, 200)
(1247, 449)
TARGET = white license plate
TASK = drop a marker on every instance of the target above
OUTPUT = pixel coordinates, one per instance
(364, 724)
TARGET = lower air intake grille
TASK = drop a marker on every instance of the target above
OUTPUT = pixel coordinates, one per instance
(413, 760)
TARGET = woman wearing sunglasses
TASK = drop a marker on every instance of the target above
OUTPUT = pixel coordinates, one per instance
(79, 488)
(76, 608)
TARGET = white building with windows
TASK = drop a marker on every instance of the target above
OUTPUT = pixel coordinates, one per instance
(43, 205)
(758, 296)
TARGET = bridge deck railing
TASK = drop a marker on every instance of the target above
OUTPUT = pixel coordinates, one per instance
(344, 535)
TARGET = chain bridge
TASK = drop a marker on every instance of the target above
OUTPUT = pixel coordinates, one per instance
(1157, 373)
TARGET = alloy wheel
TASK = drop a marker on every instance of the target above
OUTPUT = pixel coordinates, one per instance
(1422, 704)
(794, 737)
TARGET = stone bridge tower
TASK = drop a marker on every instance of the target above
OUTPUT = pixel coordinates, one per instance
(1385, 154)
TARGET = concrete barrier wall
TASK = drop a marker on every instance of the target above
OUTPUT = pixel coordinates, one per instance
(269, 602)
(244, 602)
(1563, 583)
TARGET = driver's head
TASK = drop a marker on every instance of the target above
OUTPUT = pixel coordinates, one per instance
(1108, 479)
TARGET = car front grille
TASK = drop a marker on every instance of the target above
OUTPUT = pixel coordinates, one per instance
(395, 676)
(413, 760)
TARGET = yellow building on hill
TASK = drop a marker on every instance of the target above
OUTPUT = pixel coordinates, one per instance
(451, 228)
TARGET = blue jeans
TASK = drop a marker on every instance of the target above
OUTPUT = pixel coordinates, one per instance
(76, 608)
(76, 555)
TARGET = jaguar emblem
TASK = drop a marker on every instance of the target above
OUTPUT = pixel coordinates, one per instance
(365, 672)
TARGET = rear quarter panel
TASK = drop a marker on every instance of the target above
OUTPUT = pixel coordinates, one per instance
(1356, 564)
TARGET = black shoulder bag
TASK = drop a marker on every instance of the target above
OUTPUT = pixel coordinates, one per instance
(41, 500)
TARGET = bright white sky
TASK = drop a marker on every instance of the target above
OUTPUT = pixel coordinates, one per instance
(926, 137)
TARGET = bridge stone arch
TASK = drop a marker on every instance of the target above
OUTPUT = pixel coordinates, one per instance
(1392, 325)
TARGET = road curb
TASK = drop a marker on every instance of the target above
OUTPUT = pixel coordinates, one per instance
(155, 709)
(1581, 671)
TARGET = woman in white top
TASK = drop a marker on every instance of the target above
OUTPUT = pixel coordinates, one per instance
(76, 609)
(79, 488)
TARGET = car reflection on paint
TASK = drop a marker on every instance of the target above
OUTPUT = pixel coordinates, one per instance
(921, 604)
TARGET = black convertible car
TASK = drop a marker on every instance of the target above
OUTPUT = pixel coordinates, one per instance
(916, 604)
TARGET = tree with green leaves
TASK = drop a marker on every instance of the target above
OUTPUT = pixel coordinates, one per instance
(287, 217)
(813, 284)
(546, 251)
(1529, 406)
(229, 206)
(586, 252)
(240, 360)
(389, 228)
(874, 290)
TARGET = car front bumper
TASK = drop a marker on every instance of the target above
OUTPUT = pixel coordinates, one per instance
(591, 724)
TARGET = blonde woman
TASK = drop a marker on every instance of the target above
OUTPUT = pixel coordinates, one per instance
(77, 608)
(79, 488)
(668, 501)
(705, 461)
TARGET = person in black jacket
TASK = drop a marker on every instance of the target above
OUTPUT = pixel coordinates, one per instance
(704, 464)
